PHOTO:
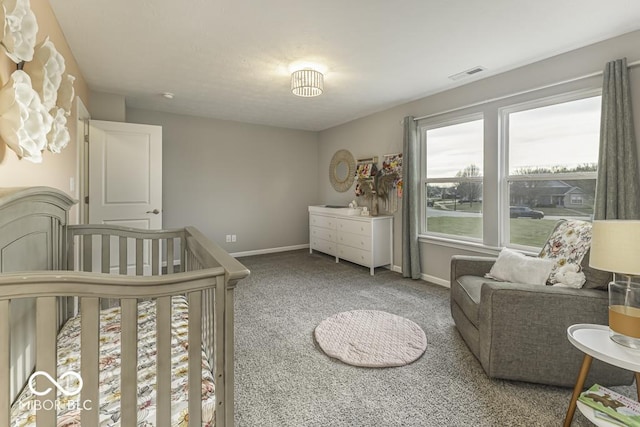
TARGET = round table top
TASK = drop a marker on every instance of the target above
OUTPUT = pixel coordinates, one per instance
(594, 340)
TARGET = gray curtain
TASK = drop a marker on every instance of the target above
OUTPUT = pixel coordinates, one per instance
(410, 200)
(618, 186)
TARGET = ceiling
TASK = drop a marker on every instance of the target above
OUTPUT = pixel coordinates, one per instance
(230, 59)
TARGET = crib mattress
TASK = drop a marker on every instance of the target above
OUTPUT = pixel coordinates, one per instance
(23, 410)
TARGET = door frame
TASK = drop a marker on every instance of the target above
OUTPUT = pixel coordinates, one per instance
(82, 142)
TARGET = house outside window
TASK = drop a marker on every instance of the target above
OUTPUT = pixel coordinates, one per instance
(551, 157)
(452, 177)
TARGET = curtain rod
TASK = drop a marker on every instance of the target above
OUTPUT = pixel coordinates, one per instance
(523, 92)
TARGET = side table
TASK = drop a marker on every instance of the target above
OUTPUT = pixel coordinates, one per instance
(594, 341)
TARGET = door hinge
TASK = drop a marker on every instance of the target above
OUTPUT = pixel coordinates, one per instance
(86, 138)
(86, 199)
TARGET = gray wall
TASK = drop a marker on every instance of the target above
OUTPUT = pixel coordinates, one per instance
(381, 133)
(107, 106)
(227, 177)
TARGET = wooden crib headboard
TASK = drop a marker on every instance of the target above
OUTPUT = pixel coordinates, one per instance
(32, 238)
(32, 222)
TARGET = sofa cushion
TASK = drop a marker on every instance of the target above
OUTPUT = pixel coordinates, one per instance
(512, 266)
(596, 279)
(568, 243)
(466, 293)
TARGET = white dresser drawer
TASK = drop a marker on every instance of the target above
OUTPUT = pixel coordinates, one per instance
(322, 221)
(323, 233)
(354, 255)
(355, 240)
(362, 240)
(353, 226)
(323, 246)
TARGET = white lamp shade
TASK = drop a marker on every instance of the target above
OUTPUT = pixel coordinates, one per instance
(615, 246)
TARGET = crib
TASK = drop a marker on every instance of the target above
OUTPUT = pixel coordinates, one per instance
(166, 298)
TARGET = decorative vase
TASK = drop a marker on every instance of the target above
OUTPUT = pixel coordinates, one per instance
(374, 204)
(624, 313)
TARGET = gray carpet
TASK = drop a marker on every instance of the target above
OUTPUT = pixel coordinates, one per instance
(284, 379)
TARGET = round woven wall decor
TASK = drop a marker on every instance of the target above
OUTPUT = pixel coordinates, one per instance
(342, 183)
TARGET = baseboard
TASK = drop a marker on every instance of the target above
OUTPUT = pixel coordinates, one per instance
(426, 277)
(394, 268)
(269, 250)
(435, 280)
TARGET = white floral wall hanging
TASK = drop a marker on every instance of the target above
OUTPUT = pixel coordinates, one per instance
(66, 93)
(58, 137)
(46, 71)
(20, 30)
(24, 120)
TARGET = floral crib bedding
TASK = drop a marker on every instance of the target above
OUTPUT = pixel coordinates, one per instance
(23, 411)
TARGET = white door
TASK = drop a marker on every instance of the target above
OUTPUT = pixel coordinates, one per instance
(125, 179)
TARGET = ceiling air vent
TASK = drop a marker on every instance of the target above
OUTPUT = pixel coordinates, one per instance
(467, 73)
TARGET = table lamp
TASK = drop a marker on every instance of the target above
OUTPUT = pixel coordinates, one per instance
(615, 247)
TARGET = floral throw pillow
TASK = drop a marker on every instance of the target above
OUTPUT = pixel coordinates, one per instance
(568, 243)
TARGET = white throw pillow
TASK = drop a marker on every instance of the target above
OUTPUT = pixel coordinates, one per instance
(513, 266)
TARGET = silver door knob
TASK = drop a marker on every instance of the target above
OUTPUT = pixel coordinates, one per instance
(155, 211)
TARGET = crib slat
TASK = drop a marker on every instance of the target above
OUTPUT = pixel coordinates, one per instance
(89, 356)
(163, 369)
(228, 352)
(195, 359)
(5, 365)
(129, 368)
(70, 255)
(183, 246)
(139, 257)
(122, 252)
(155, 256)
(87, 252)
(169, 256)
(106, 253)
(46, 357)
(220, 352)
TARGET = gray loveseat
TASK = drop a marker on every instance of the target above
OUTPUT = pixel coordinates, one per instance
(519, 332)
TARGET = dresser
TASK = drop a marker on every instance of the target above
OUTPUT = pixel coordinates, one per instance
(360, 239)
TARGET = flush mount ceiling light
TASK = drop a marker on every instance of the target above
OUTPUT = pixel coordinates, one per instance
(307, 82)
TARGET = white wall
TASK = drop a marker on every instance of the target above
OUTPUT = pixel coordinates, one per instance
(381, 133)
(227, 177)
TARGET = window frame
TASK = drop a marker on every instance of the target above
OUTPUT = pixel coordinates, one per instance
(435, 123)
(503, 150)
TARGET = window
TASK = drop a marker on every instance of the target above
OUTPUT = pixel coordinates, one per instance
(452, 177)
(577, 200)
(551, 165)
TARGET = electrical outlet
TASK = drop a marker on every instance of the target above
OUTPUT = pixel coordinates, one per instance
(233, 238)
(228, 238)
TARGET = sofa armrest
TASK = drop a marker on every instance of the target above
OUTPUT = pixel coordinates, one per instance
(464, 265)
(523, 331)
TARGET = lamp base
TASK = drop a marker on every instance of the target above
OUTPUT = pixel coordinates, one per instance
(624, 325)
(624, 340)
(624, 313)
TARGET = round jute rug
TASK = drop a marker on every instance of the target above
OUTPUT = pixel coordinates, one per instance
(371, 338)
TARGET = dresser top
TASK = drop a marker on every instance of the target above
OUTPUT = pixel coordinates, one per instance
(343, 212)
